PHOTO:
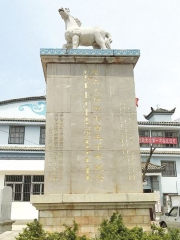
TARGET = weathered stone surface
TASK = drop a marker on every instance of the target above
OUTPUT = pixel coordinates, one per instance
(5, 209)
(88, 92)
(133, 198)
(92, 159)
(90, 219)
(5, 203)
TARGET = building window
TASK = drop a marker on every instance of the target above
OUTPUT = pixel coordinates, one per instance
(173, 212)
(170, 170)
(16, 135)
(25, 185)
(42, 135)
(144, 133)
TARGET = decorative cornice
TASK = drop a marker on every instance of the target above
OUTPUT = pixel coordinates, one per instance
(22, 120)
(22, 99)
(159, 123)
(9, 157)
(42, 149)
(90, 52)
(90, 56)
(140, 123)
(22, 148)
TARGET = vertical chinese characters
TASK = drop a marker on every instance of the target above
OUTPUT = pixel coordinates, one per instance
(55, 149)
(93, 133)
(126, 140)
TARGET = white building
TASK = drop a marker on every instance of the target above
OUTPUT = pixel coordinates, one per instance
(22, 148)
(163, 133)
(22, 139)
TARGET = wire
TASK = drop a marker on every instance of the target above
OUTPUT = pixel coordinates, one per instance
(24, 138)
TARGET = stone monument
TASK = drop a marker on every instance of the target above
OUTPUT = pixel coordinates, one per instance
(92, 157)
(5, 209)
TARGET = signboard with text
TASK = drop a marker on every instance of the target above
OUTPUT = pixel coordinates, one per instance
(157, 140)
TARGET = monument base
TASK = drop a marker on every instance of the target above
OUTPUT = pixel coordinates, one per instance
(88, 210)
(5, 225)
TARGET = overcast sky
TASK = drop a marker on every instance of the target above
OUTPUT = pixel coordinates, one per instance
(153, 26)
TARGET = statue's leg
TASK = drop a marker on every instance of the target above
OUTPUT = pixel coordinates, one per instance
(75, 41)
(64, 46)
(67, 45)
(96, 46)
(99, 40)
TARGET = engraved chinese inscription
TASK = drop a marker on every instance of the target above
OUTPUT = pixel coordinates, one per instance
(54, 155)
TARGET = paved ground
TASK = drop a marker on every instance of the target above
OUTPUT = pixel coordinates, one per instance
(9, 235)
(16, 229)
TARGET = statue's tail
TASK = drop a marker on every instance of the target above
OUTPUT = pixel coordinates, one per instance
(108, 40)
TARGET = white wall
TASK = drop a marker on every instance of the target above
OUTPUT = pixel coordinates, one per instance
(2, 180)
(160, 118)
(32, 135)
(167, 184)
(12, 110)
(23, 210)
(15, 166)
(4, 134)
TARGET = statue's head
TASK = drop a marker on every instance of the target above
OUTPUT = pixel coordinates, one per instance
(64, 12)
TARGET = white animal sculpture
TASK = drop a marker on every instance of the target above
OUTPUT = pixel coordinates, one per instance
(76, 35)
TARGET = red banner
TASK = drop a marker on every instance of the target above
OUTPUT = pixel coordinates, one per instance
(157, 140)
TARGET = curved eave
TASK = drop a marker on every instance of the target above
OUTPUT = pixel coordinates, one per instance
(40, 121)
(144, 123)
(158, 112)
(22, 99)
(157, 152)
(22, 149)
(152, 168)
(140, 123)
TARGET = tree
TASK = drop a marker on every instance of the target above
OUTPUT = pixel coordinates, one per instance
(147, 162)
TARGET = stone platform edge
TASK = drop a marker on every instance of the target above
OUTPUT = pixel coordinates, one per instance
(87, 56)
(95, 198)
(90, 52)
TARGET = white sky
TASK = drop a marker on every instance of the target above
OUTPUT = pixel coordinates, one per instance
(153, 26)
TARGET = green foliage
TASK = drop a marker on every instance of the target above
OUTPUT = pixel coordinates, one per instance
(70, 233)
(33, 231)
(159, 233)
(112, 229)
(174, 234)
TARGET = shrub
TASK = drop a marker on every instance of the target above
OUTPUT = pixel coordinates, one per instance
(34, 231)
(112, 229)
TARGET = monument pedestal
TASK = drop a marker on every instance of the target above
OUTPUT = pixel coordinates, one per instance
(89, 210)
(92, 157)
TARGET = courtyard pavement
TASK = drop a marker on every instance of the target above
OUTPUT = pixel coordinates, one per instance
(9, 235)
